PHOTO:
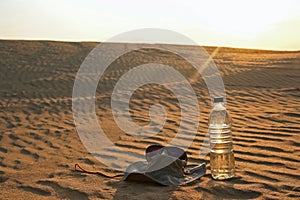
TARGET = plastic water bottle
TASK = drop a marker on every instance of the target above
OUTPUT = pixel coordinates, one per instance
(221, 148)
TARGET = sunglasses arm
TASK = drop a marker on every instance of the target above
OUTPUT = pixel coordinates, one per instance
(191, 170)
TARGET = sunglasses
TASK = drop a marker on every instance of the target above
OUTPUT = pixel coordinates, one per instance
(172, 151)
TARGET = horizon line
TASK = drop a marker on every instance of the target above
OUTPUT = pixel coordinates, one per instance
(94, 41)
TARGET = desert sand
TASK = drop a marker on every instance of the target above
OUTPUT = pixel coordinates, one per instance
(39, 144)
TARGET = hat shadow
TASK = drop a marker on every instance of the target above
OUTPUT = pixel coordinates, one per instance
(142, 190)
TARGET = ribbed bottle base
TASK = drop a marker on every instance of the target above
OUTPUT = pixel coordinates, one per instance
(222, 165)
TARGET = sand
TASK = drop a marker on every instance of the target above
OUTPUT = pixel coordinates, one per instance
(39, 144)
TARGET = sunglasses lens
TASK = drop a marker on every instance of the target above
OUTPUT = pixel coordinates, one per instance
(152, 151)
(153, 148)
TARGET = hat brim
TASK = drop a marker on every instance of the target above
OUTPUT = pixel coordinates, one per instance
(138, 172)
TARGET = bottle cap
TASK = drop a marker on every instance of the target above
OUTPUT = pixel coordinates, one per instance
(218, 99)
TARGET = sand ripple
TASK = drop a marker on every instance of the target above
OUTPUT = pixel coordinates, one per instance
(39, 144)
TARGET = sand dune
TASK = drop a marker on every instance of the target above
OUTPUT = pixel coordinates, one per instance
(39, 144)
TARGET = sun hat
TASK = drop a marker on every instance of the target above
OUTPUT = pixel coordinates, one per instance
(166, 166)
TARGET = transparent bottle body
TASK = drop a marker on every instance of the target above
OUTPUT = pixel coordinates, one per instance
(221, 147)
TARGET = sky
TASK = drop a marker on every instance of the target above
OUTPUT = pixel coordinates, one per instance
(262, 24)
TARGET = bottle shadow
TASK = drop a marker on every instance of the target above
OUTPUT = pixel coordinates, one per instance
(228, 189)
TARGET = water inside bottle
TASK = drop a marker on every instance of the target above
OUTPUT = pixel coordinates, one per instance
(223, 165)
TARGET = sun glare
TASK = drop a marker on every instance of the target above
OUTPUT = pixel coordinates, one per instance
(245, 19)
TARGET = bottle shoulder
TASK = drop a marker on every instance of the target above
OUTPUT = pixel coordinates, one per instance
(220, 116)
(219, 106)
